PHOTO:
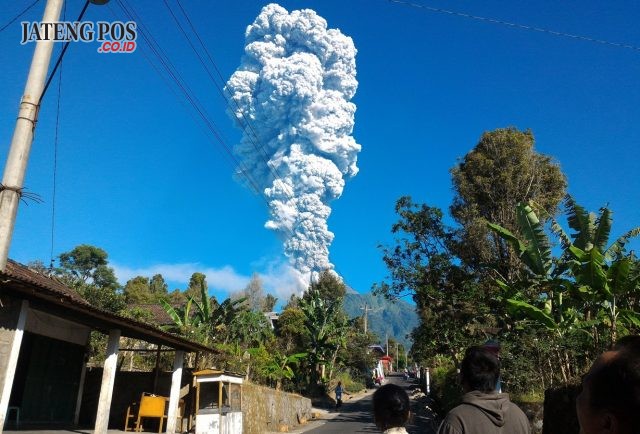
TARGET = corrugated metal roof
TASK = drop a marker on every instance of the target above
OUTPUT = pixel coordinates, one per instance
(50, 295)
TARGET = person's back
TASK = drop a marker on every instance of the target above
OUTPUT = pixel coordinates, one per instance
(483, 410)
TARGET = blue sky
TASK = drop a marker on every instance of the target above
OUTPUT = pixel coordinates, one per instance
(137, 175)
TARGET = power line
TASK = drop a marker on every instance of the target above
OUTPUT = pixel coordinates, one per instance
(247, 125)
(516, 25)
(17, 17)
(175, 93)
(64, 50)
(251, 134)
(166, 63)
(55, 154)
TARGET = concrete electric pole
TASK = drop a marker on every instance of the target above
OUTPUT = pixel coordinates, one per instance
(366, 309)
(16, 166)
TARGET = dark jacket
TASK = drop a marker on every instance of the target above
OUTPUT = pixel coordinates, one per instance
(485, 413)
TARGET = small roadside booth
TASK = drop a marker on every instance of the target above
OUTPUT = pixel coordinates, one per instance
(218, 402)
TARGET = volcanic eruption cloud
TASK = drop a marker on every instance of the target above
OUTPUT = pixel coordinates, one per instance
(291, 96)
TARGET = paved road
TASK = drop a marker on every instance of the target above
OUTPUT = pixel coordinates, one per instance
(357, 417)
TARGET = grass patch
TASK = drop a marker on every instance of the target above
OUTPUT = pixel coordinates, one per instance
(532, 397)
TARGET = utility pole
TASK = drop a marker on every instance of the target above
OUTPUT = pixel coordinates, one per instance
(366, 311)
(16, 165)
(397, 358)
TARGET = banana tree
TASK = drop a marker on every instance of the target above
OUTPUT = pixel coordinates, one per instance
(605, 277)
(281, 367)
(594, 275)
(185, 322)
(223, 316)
(325, 327)
(546, 279)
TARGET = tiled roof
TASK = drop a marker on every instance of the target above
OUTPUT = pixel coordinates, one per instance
(160, 316)
(29, 275)
(49, 294)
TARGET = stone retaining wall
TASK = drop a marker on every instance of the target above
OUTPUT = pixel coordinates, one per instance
(265, 409)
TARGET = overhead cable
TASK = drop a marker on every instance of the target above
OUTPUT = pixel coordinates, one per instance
(17, 17)
(516, 25)
(175, 75)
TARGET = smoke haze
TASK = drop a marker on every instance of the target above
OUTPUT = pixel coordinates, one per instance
(294, 87)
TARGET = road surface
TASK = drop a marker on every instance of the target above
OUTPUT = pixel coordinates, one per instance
(357, 417)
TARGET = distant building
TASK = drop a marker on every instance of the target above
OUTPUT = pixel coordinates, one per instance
(272, 317)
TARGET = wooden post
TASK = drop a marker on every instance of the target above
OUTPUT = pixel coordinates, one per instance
(12, 362)
(156, 372)
(108, 380)
(174, 396)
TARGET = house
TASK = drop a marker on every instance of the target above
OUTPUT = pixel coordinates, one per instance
(44, 332)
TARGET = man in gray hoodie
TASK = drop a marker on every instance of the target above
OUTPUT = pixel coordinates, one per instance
(483, 410)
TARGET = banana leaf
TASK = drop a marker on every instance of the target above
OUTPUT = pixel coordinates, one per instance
(533, 313)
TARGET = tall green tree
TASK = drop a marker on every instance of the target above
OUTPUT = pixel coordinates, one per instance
(291, 331)
(197, 287)
(453, 307)
(329, 286)
(86, 269)
(325, 322)
(137, 290)
(158, 286)
(88, 264)
(250, 328)
(502, 170)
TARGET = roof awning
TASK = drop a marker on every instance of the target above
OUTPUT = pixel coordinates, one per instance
(52, 296)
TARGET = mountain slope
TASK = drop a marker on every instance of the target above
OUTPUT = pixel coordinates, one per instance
(397, 319)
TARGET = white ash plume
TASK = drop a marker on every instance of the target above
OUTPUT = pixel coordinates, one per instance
(294, 87)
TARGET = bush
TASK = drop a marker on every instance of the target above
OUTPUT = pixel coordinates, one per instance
(350, 384)
(445, 389)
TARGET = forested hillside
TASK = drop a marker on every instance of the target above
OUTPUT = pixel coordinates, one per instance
(398, 319)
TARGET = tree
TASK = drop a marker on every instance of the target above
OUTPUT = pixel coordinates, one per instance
(291, 330)
(502, 170)
(329, 286)
(143, 290)
(137, 290)
(158, 286)
(254, 293)
(86, 269)
(604, 273)
(269, 303)
(88, 264)
(197, 287)
(223, 316)
(186, 323)
(592, 284)
(326, 325)
(453, 307)
(250, 328)
(280, 367)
